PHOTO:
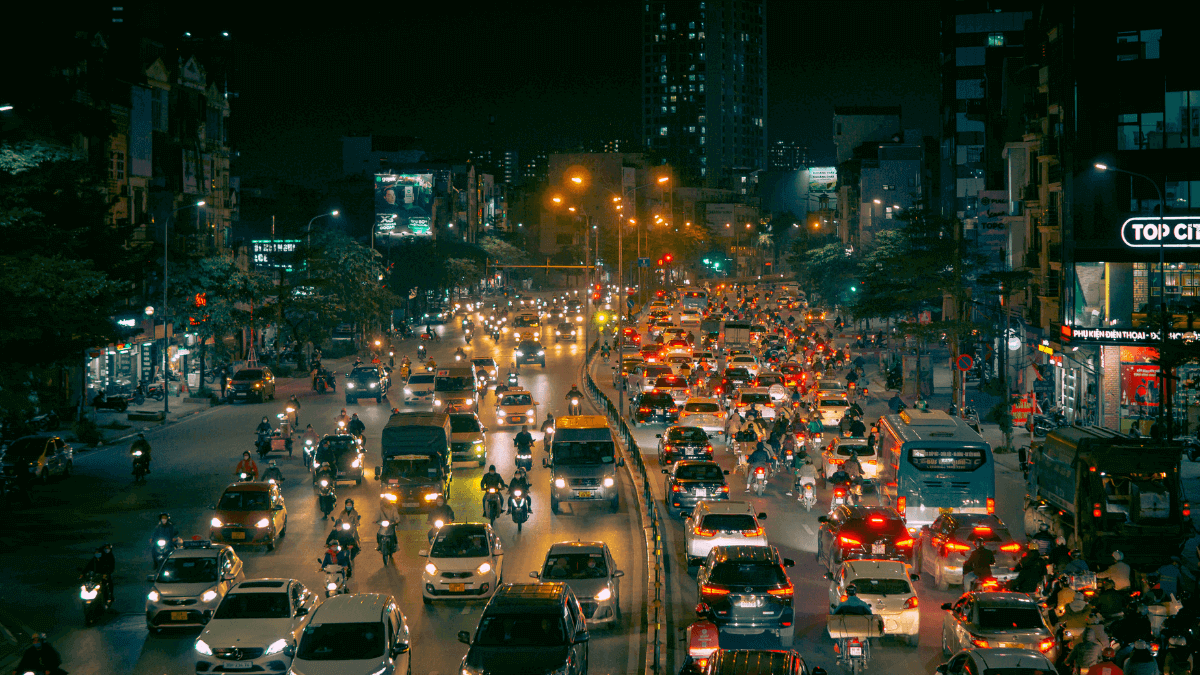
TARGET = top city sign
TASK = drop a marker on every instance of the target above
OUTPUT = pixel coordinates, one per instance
(1170, 232)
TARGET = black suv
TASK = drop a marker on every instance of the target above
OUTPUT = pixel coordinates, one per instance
(654, 407)
(734, 379)
(367, 382)
(252, 383)
(529, 628)
(530, 351)
(690, 481)
(683, 442)
(747, 591)
(759, 662)
(856, 532)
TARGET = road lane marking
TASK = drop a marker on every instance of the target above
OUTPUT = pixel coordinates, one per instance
(809, 530)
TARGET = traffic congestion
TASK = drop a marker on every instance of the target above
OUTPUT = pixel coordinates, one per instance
(470, 481)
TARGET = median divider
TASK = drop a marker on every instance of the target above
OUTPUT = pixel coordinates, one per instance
(652, 523)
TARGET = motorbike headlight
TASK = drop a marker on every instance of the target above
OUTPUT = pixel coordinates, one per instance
(153, 595)
(203, 648)
(161, 543)
(324, 483)
(431, 569)
(604, 594)
(216, 522)
(276, 647)
(437, 401)
(484, 568)
(356, 463)
(262, 523)
(608, 482)
(209, 595)
(560, 483)
(470, 400)
(541, 353)
(349, 385)
(87, 594)
(331, 586)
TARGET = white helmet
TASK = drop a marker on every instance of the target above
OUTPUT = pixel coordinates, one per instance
(1118, 556)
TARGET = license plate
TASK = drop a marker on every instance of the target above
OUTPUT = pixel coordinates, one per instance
(410, 505)
(878, 549)
(748, 602)
(855, 650)
(237, 665)
(701, 492)
(659, 411)
(585, 494)
(238, 535)
(179, 616)
(458, 588)
(514, 418)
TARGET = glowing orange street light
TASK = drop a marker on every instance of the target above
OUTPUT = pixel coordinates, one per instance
(577, 180)
(664, 179)
(557, 200)
(571, 209)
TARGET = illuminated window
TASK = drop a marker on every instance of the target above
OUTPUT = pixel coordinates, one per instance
(995, 40)
(662, 131)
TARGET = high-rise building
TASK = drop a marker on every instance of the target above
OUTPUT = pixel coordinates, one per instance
(511, 168)
(787, 156)
(704, 87)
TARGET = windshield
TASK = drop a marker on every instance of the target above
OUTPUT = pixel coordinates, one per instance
(847, 449)
(454, 384)
(460, 542)
(575, 566)
(946, 459)
(188, 571)
(1009, 618)
(748, 574)
(1018, 671)
(747, 399)
(412, 467)
(463, 424)
(729, 522)
(658, 400)
(247, 375)
(254, 606)
(485, 363)
(517, 399)
(834, 403)
(768, 380)
(365, 372)
(525, 322)
(758, 329)
(341, 642)
(420, 379)
(521, 630)
(244, 501)
(583, 453)
(702, 407)
(737, 373)
(699, 472)
(882, 586)
(687, 435)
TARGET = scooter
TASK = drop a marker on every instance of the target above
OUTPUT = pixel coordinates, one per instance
(326, 497)
(518, 507)
(141, 467)
(512, 379)
(387, 541)
(335, 579)
(102, 402)
(492, 505)
(574, 408)
(93, 593)
(309, 450)
(808, 495)
(162, 548)
(702, 641)
(524, 457)
(263, 444)
(760, 480)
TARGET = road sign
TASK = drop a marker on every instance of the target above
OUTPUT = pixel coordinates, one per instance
(965, 362)
(643, 262)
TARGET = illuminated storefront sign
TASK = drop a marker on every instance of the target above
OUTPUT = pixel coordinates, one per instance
(1076, 335)
(1170, 232)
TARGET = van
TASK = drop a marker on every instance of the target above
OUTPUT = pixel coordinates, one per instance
(455, 386)
(361, 633)
(416, 468)
(583, 462)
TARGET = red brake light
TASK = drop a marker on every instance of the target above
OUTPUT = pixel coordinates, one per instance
(906, 542)
(713, 590)
(911, 603)
(1096, 512)
(839, 492)
(1187, 509)
(982, 644)
(756, 532)
(991, 506)
(848, 541)
(1045, 645)
(675, 488)
(644, 410)
(875, 520)
(1010, 548)
(982, 529)
(788, 590)
(952, 546)
(900, 504)
(701, 532)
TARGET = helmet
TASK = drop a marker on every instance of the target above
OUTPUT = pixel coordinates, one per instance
(1141, 644)
(343, 412)
(354, 416)
(1118, 556)
(1177, 641)
(851, 591)
(142, 436)
(979, 542)
(491, 468)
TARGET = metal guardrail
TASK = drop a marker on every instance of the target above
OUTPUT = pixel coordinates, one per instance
(656, 578)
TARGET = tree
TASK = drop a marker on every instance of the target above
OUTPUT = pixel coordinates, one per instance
(828, 271)
(501, 252)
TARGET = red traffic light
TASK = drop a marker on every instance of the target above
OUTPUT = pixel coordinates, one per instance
(660, 262)
(668, 257)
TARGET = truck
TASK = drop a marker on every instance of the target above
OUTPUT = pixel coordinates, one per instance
(416, 468)
(583, 462)
(735, 335)
(1103, 491)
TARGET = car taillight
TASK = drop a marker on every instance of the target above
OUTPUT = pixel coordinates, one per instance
(991, 506)
(675, 488)
(1045, 645)
(1010, 548)
(978, 642)
(1096, 512)
(848, 541)
(906, 542)
(875, 520)
(643, 410)
(1187, 510)
(725, 488)
(701, 532)
(782, 591)
(900, 504)
(713, 590)
(756, 532)
(911, 603)
(952, 546)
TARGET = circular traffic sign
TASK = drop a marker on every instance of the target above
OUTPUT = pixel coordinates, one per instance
(965, 362)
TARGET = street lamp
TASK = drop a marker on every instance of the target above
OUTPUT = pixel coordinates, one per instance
(166, 254)
(1162, 290)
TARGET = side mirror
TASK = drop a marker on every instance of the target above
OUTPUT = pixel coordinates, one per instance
(822, 519)
(150, 578)
(940, 669)
(788, 562)
(726, 472)
(762, 516)
(620, 461)
(536, 403)
(915, 577)
(400, 648)
(829, 576)
(534, 575)
(423, 553)
(658, 435)
(277, 507)
(464, 637)
(946, 606)
(581, 637)
(618, 573)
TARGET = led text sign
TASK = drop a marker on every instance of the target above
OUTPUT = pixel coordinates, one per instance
(1169, 232)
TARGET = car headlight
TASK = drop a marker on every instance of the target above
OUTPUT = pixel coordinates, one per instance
(209, 595)
(520, 353)
(373, 384)
(437, 401)
(431, 569)
(153, 596)
(529, 412)
(470, 400)
(349, 385)
(431, 496)
(604, 594)
(216, 522)
(608, 482)
(262, 523)
(560, 483)
(276, 647)
(407, 391)
(541, 353)
(356, 463)
(389, 497)
(203, 648)
(484, 568)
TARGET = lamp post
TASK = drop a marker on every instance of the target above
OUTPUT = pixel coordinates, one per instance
(165, 363)
(1162, 293)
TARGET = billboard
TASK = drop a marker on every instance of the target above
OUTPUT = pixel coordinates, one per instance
(822, 180)
(404, 204)
(277, 254)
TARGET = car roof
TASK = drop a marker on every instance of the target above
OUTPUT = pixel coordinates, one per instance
(484, 360)
(210, 552)
(421, 375)
(973, 519)
(263, 586)
(249, 486)
(547, 595)
(355, 608)
(875, 569)
(745, 553)
(516, 391)
(576, 547)
(474, 527)
(864, 511)
(1002, 599)
(754, 390)
(726, 506)
(1012, 658)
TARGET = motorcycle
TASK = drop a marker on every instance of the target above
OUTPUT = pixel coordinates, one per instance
(47, 421)
(93, 593)
(574, 408)
(808, 495)
(326, 497)
(702, 642)
(894, 379)
(518, 507)
(387, 541)
(263, 444)
(141, 467)
(421, 352)
(162, 548)
(102, 402)
(309, 451)
(492, 505)
(524, 457)
(437, 527)
(512, 379)
(335, 579)
(467, 337)
(760, 480)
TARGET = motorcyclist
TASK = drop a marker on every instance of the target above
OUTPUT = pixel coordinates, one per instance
(343, 535)
(604, 351)
(979, 564)
(355, 426)
(1141, 661)
(272, 473)
(574, 393)
(1030, 569)
(760, 458)
(1044, 539)
(524, 439)
(349, 514)
(144, 446)
(857, 428)
(264, 427)
(1076, 565)
(1118, 571)
(548, 423)
(336, 555)
(520, 481)
(295, 405)
(390, 513)
(441, 512)
(1087, 652)
(248, 467)
(491, 479)
(1106, 665)
(420, 352)
(342, 417)
(40, 658)
(103, 563)
(895, 403)
(309, 434)
(853, 468)
(853, 604)
(806, 474)
(459, 354)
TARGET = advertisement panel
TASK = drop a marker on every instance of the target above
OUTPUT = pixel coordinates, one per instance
(274, 253)
(404, 204)
(822, 180)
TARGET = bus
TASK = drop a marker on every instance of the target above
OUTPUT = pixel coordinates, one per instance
(693, 298)
(933, 463)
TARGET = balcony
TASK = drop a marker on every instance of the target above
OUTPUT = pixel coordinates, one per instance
(1029, 193)
(1048, 147)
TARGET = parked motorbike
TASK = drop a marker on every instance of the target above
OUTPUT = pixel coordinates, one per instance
(102, 402)
(387, 541)
(519, 507)
(47, 421)
(94, 595)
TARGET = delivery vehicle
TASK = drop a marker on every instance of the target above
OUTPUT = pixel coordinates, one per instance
(455, 387)
(1104, 491)
(583, 462)
(736, 335)
(416, 468)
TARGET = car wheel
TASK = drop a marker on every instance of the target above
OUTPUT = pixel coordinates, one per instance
(283, 530)
(271, 544)
(553, 505)
(426, 600)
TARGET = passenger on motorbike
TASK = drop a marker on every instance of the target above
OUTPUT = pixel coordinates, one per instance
(273, 473)
(853, 604)
(336, 555)
(1030, 569)
(852, 468)
(491, 479)
(520, 481)
(248, 467)
(1118, 571)
(760, 458)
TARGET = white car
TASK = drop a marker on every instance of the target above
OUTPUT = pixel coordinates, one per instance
(721, 523)
(704, 359)
(674, 385)
(190, 584)
(744, 361)
(832, 409)
(256, 627)
(676, 362)
(419, 389)
(839, 450)
(465, 561)
(358, 634)
(702, 412)
(759, 397)
(516, 407)
(887, 587)
(998, 660)
(690, 317)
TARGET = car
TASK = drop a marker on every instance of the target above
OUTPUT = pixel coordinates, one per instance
(367, 382)
(678, 361)
(345, 456)
(648, 374)
(743, 361)
(975, 661)
(839, 449)
(358, 634)
(418, 390)
(588, 569)
(944, 545)
(748, 591)
(690, 317)
(249, 513)
(832, 409)
(689, 481)
(814, 317)
(704, 358)
(720, 523)
(468, 438)
(757, 331)
(516, 407)
(829, 387)
(735, 378)
(683, 442)
(1001, 619)
(631, 339)
(853, 532)
(629, 363)
(653, 407)
(190, 583)
(886, 586)
(485, 367)
(41, 457)
(529, 351)
(437, 315)
(652, 353)
(672, 333)
(679, 346)
(465, 560)
(793, 373)
(774, 383)
(674, 385)
(706, 413)
(756, 662)
(251, 384)
(565, 332)
(659, 326)
(754, 396)
(256, 627)
(528, 628)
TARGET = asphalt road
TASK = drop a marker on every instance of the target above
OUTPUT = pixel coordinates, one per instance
(194, 460)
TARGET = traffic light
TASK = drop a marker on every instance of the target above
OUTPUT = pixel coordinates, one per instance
(660, 262)
(668, 257)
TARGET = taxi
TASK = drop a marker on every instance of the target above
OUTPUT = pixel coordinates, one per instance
(249, 513)
(516, 407)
